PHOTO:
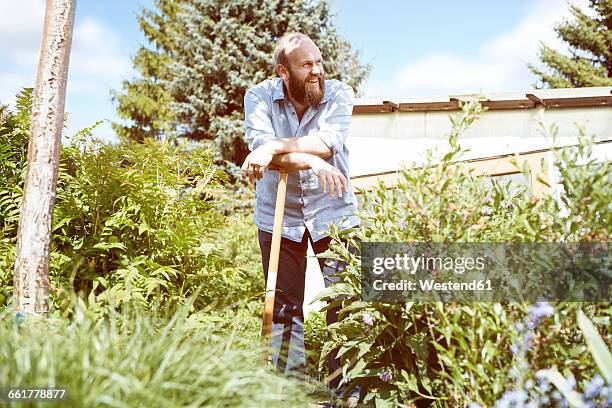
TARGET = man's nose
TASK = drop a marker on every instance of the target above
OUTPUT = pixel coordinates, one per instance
(317, 69)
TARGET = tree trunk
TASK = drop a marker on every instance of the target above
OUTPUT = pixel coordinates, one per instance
(31, 280)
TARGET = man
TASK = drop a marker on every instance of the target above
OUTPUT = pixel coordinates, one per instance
(299, 121)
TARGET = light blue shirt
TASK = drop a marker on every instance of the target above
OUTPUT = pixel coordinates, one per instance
(269, 115)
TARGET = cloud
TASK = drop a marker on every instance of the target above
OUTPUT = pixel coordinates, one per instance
(21, 24)
(96, 57)
(499, 65)
(98, 60)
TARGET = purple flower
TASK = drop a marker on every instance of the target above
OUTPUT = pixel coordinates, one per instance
(486, 211)
(368, 319)
(540, 310)
(593, 388)
(511, 399)
(386, 375)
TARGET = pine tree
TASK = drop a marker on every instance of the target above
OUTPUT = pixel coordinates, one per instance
(590, 46)
(145, 103)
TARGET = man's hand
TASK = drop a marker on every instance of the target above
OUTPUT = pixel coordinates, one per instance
(256, 162)
(330, 177)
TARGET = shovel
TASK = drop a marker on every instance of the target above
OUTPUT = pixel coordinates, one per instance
(277, 228)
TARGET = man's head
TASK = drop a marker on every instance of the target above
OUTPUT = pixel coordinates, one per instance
(300, 65)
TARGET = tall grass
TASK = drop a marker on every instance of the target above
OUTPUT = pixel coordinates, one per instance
(140, 359)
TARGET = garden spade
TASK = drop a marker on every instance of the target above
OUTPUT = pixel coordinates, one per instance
(277, 228)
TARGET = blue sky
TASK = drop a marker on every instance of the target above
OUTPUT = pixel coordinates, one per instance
(416, 48)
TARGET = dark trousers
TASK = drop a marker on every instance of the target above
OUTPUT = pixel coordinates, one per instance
(287, 340)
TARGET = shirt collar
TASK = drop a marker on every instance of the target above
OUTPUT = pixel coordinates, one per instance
(279, 91)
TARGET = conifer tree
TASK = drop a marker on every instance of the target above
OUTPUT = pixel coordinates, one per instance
(145, 102)
(589, 39)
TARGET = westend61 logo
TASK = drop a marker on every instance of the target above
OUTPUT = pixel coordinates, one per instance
(493, 272)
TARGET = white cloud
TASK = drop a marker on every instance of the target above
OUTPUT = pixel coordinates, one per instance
(499, 65)
(7, 88)
(96, 56)
(21, 24)
(98, 60)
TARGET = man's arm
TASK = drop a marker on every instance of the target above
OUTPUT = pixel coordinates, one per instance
(324, 142)
(257, 161)
(291, 162)
(309, 144)
(328, 175)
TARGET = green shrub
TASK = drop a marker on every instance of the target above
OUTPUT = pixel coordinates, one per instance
(238, 242)
(14, 134)
(315, 335)
(137, 358)
(452, 354)
(134, 219)
(137, 221)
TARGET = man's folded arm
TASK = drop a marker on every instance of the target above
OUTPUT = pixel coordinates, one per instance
(259, 132)
(323, 143)
(310, 144)
(292, 162)
(329, 138)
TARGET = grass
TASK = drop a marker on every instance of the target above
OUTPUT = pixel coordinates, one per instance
(138, 359)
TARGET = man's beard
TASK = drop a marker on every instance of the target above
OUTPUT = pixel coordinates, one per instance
(305, 92)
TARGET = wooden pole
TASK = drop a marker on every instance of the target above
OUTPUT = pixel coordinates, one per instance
(277, 229)
(31, 279)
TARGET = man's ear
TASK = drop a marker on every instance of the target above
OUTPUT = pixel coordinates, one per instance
(282, 72)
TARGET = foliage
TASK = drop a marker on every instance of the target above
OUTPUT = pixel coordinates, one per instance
(589, 38)
(136, 221)
(206, 54)
(550, 386)
(137, 358)
(14, 135)
(314, 338)
(452, 354)
(145, 103)
(238, 242)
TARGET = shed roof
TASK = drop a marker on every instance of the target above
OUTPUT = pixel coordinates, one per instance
(545, 98)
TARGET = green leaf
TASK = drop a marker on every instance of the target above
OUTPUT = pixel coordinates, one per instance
(110, 245)
(205, 248)
(596, 345)
(564, 387)
(334, 291)
(61, 223)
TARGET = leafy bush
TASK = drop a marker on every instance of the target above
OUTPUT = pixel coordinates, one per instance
(550, 387)
(14, 134)
(131, 221)
(452, 354)
(140, 359)
(238, 242)
(314, 338)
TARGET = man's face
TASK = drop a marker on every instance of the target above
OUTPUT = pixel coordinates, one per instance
(306, 82)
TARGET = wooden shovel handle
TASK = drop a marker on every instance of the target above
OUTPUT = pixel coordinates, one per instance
(277, 229)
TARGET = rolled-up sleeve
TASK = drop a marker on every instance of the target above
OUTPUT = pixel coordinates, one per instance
(257, 121)
(335, 124)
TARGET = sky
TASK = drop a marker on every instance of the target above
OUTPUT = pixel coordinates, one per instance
(415, 48)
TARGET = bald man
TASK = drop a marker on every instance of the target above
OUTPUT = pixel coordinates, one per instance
(299, 121)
